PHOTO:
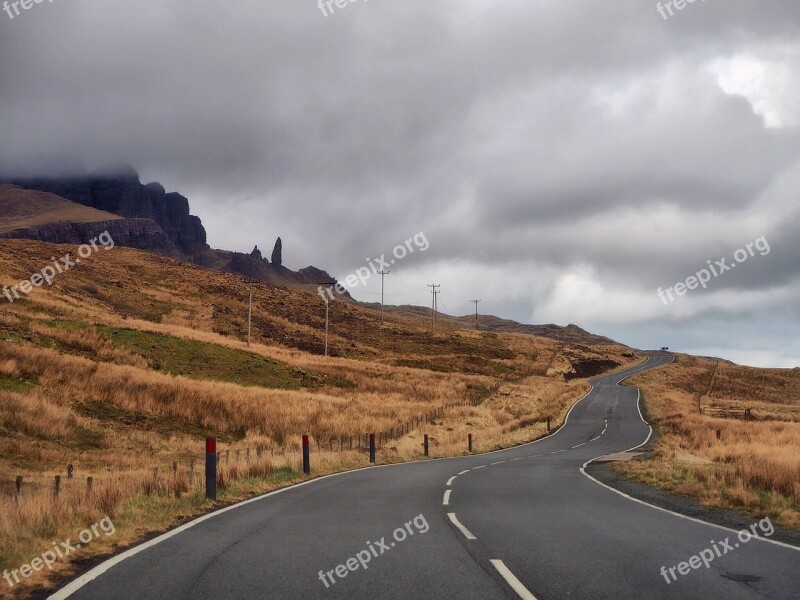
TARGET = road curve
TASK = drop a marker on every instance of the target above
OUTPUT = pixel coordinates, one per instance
(519, 523)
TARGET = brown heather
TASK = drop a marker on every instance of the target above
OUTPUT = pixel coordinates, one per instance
(753, 466)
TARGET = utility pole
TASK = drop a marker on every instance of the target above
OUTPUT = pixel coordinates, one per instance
(434, 291)
(476, 313)
(327, 309)
(382, 274)
(250, 312)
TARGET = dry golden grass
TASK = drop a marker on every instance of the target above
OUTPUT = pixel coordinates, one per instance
(751, 466)
(71, 394)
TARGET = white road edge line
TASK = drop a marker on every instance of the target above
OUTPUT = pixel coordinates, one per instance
(666, 510)
(451, 480)
(579, 445)
(464, 471)
(446, 499)
(79, 582)
(499, 462)
(595, 438)
(473, 468)
(512, 580)
(467, 533)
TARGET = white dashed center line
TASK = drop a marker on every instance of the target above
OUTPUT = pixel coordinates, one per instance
(475, 468)
(579, 445)
(451, 480)
(511, 579)
(446, 499)
(464, 471)
(467, 533)
(499, 462)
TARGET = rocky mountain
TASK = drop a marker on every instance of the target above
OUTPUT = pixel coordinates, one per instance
(121, 192)
(72, 210)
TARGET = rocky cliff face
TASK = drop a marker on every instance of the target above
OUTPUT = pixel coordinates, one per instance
(156, 221)
(123, 194)
(144, 234)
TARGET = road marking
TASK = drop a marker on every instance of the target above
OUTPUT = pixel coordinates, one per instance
(499, 462)
(450, 481)
(595, 438)
(579, 445)
(467, 533)
(534, 456)
(446, 499)
(557, 451)
(512, 580)
(473, 468)
(520, 458)
(464, 471)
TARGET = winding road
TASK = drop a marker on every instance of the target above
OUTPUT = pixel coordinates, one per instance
(520, 523)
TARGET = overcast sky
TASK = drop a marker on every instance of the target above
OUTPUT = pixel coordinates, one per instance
(564, 158)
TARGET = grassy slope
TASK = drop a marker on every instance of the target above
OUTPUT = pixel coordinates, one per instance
(753, 466)
(25, 208)
(129, 359)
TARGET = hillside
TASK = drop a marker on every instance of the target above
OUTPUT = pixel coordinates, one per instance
(24, 209)
(569, 334)
(129, 359)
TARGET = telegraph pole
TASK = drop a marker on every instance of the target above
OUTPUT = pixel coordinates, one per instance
(382, 274)
(433, 287)
(327, 308)
(476, 312)
(250, 312)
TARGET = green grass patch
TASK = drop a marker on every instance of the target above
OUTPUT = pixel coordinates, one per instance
(201, 360)
(20, 386)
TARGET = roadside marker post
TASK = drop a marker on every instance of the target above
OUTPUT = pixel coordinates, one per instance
(548, 424)
(211, 468)
(306, 456)
(372, 448)
(469, 441)
(426, 444)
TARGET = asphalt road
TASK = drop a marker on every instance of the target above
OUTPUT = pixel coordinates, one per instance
(524, 522)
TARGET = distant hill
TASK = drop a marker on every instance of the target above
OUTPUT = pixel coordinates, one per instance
(571, 334)
(23, 209)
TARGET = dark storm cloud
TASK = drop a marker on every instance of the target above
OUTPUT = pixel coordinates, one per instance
(564, 145)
